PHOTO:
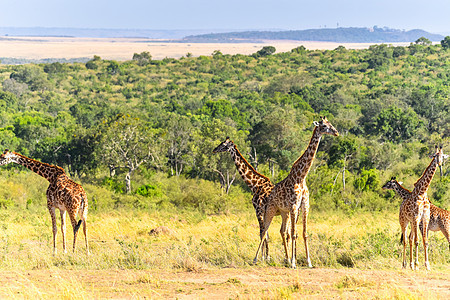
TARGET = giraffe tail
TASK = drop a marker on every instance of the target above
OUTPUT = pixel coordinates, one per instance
(401, 239)
(81, 220)
(78, 225)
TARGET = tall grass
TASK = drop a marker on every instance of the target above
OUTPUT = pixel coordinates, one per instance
(223, 233)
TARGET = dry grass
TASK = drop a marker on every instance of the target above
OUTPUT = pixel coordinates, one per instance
(124, 48)
(204, 255)
(355, 255)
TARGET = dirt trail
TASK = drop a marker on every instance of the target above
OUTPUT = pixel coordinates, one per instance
(252, 282)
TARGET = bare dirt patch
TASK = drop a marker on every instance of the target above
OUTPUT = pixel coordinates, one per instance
(252, 282)
(124, 48)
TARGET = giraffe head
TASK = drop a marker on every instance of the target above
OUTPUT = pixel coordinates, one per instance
(439, 156)
(7, 157)
(224, 146)
(390, 185)
(325, 127)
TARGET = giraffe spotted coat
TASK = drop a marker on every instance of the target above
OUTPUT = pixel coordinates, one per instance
(62, 193)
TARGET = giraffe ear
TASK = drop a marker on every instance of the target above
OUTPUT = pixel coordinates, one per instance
(316, 123)
(400, 182)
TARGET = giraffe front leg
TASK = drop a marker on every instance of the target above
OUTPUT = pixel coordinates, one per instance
(415, 253)
(63, 229)
(285, 219)
(267, 221)
(403, 240)
(305, 210)
(411, 252)
(416, 245)
(425, 221)
(294, 238)
(85, 237)
(54, 228)
(265, 246)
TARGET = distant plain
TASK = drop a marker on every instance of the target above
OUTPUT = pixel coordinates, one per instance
(123, 48)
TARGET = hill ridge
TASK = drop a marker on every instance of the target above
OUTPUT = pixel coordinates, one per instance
(344, 35)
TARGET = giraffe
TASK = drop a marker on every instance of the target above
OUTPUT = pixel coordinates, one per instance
(291, 194)
(417, 207)
(260, 185)
(439, 218)
(62, 193)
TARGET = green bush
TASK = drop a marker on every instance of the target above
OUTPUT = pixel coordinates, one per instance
(113, 184)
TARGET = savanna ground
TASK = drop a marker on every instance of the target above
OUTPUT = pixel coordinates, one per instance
(197, 255)
(124, 48)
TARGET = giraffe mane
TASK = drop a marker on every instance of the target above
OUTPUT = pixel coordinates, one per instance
(425, 172)
(248, 164)
(401, 186)
(304, 152)
(40, 162)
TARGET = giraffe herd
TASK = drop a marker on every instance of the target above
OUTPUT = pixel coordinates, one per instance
(287, 198)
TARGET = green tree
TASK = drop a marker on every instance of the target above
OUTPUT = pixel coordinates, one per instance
(367, 180)
(178, 139)
(143, 58)
(208, 165)
(32, 75)
(445, 43)
(113, 67)
(128, 143)
(395, 124)
(423, 41)
(340, 154)
(278, 138)
(266, 51)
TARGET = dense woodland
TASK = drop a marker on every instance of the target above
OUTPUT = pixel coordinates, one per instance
(117, 124)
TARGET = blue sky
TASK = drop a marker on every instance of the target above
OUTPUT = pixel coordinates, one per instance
(430, 15)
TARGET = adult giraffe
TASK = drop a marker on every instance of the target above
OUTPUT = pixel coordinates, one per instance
(291, 194)
(260, 185)
(439, 218)
(62, 193)
(417, 207)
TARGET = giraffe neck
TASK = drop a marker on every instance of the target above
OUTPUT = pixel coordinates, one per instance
(47, 171)
(401, 191)
(421, 186)
(301, 167)
(252, 178)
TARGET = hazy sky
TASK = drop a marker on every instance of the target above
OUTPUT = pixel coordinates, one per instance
(430, 15)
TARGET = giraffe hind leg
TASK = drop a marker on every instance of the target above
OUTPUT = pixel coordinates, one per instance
(85, 236)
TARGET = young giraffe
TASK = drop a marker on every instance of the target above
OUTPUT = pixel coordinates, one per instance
(439, 218)
(62, 193)
(417, 207)
(260, 185)
(291, 194)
